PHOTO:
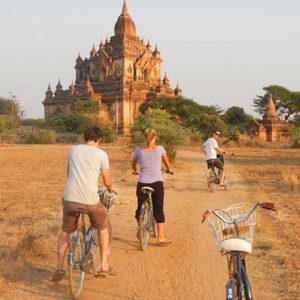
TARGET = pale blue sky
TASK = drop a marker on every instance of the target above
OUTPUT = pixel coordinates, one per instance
(221, 51)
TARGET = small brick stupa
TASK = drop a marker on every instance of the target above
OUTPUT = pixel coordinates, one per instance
(271, 128)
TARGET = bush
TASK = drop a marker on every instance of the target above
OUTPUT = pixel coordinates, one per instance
(170, 134)
(38, 123)
(236, 119)
(10, 113)
(42, 136)
(189, 114)
(68, 138)
(294, 130)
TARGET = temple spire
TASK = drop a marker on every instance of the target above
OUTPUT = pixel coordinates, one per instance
(178, 91)
(93, 51)
(58, 86)
(271, 110)
(148, 45)
(166, 79)
(49, 92)
(72, 88)
(124, 10)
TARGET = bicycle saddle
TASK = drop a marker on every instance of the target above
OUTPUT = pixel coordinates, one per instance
(235, 244)
(147, 189)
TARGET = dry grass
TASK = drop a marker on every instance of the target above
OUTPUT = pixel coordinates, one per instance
(273, 175)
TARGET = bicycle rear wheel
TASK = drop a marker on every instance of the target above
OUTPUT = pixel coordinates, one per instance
(76, 273)
(211, 180)
(143, 226)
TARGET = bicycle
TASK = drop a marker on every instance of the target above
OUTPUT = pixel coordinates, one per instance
(213, 177)
(84, 248)
(146, 220)
(233, 230)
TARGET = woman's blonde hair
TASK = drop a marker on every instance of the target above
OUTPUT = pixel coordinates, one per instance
(150, 134)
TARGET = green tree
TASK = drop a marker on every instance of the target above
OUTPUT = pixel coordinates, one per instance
(287, 103)
(236, 118)
(11, 113)
(189, 114)
(170, 134)
(85, 114)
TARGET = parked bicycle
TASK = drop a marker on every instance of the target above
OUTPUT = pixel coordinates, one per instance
(233, 230)
(84, 247)
(213, 176)
(146, 220)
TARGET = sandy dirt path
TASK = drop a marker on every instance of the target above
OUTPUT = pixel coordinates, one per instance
(189, 268)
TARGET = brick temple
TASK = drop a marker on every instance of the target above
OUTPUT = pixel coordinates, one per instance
(120, 75)
(271, 128)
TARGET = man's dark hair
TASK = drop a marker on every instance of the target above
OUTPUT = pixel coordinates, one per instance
(93, 134)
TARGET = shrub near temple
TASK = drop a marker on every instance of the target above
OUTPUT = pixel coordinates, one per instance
(170, 134)
(85, 114)
(189, 114)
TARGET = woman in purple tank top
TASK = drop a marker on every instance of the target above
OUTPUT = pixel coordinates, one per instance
(150, 158)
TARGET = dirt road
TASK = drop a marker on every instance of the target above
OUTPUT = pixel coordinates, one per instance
(189, 268)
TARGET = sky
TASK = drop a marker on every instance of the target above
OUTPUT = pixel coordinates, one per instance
(222, 52)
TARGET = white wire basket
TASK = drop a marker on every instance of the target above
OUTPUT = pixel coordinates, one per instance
(109, 200)
(223, 231)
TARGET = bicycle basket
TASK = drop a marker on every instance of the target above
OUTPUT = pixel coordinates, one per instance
(109, 200)
(223, 231)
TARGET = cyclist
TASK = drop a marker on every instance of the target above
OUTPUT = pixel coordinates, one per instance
(150, 158)
(85, 163)
(210, 149)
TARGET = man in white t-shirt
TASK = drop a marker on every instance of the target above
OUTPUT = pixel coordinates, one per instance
(85, 163)
(210, 149)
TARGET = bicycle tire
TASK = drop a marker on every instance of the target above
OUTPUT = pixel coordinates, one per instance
(76, 273)
(211, 180)
(233, 285)
(246, 282)
(143, 230)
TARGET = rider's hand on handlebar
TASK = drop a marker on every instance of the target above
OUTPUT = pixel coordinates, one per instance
(171, 172)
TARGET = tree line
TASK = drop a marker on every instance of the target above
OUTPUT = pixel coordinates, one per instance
(178, 120)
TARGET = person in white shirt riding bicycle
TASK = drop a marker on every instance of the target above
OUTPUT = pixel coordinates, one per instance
(85, 163)
(210, 148)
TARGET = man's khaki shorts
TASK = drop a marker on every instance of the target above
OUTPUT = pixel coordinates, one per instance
(71, 212)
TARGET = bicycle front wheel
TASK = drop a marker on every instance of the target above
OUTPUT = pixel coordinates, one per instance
(76, 273)
(246, 282)
(143, 227)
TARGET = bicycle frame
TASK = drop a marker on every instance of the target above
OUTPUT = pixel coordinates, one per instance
(88, 237)
(143, 208)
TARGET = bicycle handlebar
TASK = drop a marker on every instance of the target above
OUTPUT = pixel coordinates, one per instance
(265, 205)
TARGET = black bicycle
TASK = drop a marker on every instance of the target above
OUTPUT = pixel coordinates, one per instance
(84, 248)
(146, 220)
(213, 176)
(233, 230)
